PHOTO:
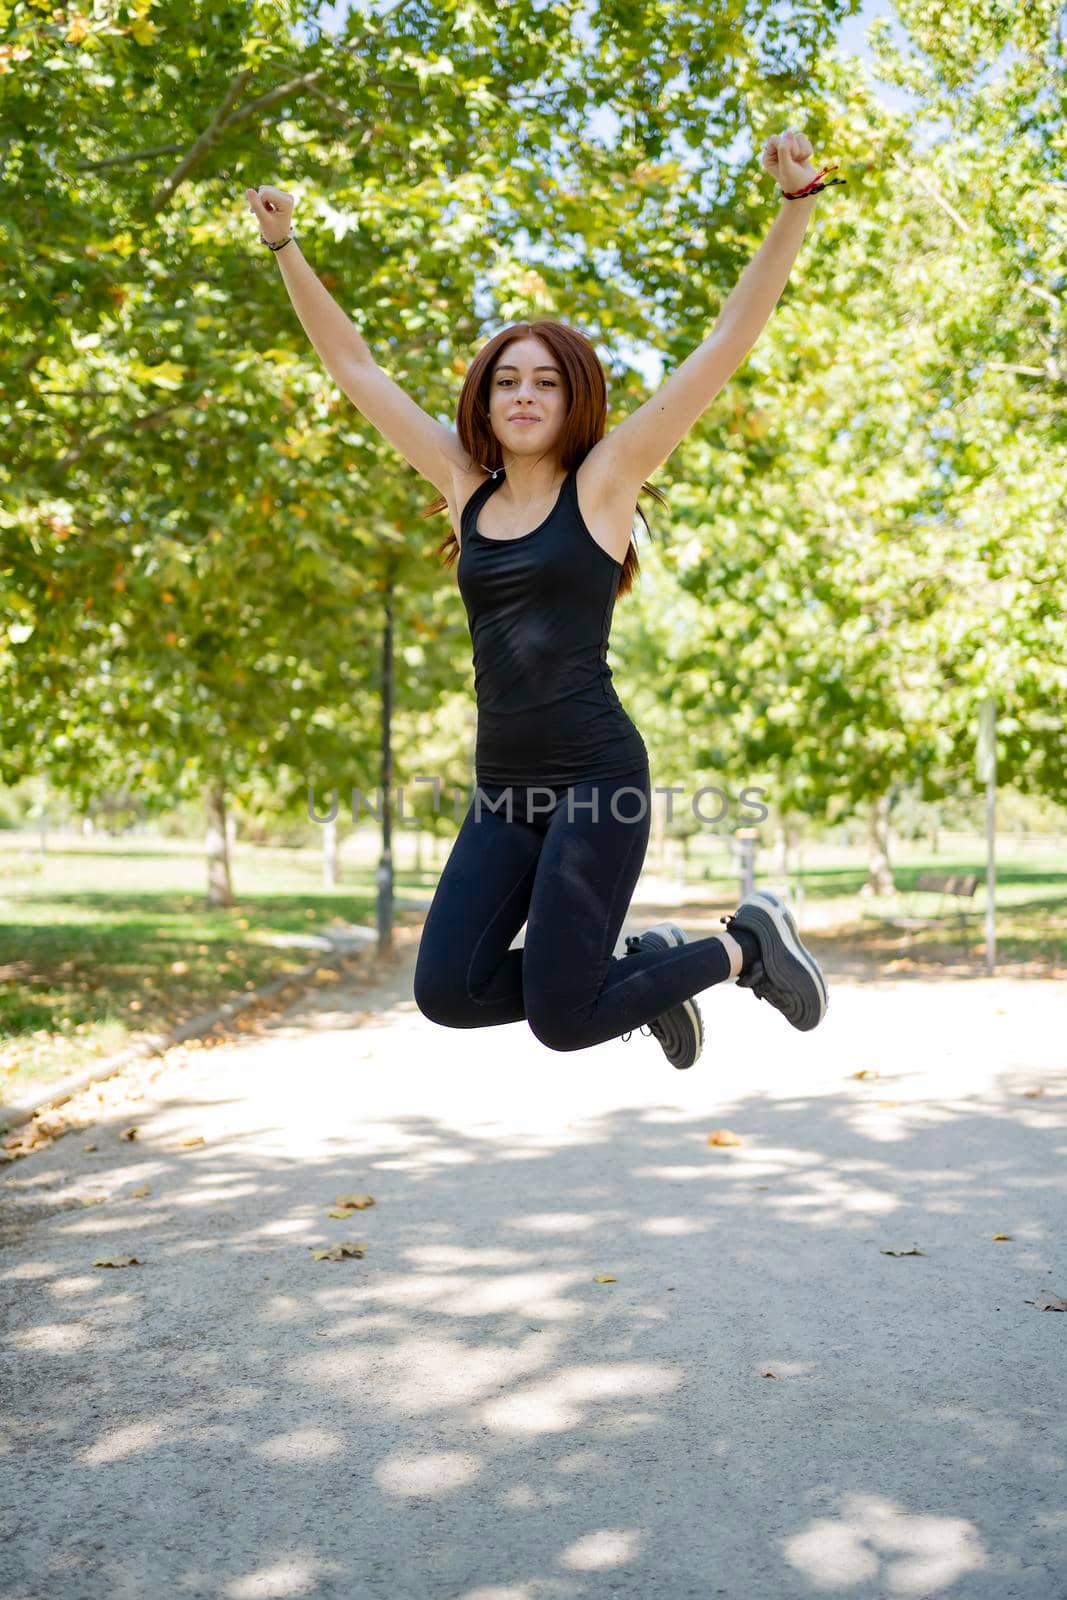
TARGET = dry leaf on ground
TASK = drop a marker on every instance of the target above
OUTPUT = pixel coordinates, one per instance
(51, 1123)
(337, 1252)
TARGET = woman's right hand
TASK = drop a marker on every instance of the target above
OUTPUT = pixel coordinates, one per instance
(273, 209)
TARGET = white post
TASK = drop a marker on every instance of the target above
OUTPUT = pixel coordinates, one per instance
(329, 853)
(746, 838)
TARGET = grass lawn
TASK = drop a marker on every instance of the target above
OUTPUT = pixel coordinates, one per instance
(1031, 927)
(1031, 897)
(102, 943)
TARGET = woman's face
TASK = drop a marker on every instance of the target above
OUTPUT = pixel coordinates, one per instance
(527, 382)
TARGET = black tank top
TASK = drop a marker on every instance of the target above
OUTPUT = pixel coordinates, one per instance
(539, 610)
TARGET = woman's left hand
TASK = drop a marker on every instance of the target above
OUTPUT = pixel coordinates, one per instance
(787, 157)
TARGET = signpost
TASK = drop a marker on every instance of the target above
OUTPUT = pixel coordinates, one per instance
(987, 774)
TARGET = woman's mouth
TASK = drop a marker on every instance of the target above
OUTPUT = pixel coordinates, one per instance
(524, 419)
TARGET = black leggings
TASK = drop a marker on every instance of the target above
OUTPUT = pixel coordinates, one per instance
(568, 872)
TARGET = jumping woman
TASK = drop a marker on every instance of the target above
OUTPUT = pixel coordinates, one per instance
(542, 504)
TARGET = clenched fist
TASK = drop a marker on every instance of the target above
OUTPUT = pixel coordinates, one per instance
(273, 209)
(787, 157)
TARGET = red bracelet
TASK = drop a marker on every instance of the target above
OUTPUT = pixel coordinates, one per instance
(814, 186)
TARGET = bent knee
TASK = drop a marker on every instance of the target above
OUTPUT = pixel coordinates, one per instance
(434, 996)
(556, 1029)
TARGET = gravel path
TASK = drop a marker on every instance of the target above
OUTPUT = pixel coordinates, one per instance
(761, 1402)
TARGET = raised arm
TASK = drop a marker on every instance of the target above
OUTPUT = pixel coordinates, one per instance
(634, 449)
(433, 449)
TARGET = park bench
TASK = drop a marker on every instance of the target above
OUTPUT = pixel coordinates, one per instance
(959, 886)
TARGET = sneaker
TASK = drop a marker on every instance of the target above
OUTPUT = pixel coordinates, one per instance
(784, 973)
(680, 1030)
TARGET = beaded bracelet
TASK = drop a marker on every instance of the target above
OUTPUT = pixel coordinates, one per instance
(278, 246)
(814, 187)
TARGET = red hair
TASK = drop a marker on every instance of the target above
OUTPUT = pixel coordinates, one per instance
(585, 422)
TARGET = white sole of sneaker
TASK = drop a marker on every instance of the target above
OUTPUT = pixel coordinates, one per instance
(792, 967)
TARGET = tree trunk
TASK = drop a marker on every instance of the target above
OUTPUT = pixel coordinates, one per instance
(219, 889)
(329, 853)
(418, 851)
(879, 869)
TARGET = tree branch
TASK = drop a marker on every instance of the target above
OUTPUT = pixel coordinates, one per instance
(226, 119)
(130, 156)
(210, 136)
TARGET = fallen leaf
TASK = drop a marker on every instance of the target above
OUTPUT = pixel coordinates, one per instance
(336, 1252)
(1033, 1094)
(722, 1136)
(604, 1277)
(118, 1261)
(1002, 1236)
(28, 1139)
(887, 1102)
(93, 1199)
(867, 1072)
(912, 1252)
(88, 1147)
(1047, 1302)
(51, 1123)
(139, 1194)
(185, 1144)
(770, 1374)
(355, 1202)
(128, 1133)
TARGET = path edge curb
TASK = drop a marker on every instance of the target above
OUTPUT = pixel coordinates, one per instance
(154, 1044)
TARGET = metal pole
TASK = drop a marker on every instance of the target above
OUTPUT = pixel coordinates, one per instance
(987, 773)
(991, 869)
(384, 874)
